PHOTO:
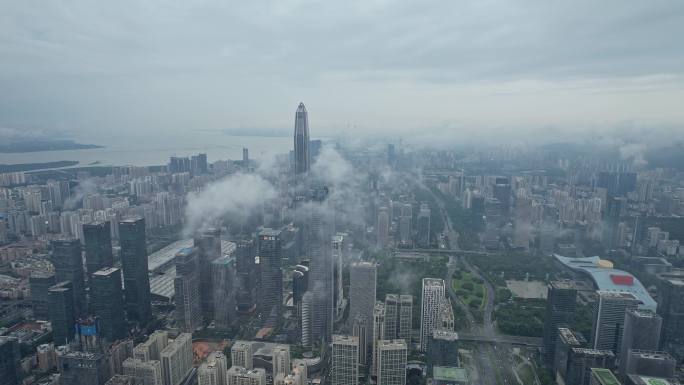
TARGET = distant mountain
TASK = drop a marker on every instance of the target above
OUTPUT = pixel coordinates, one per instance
(39, 145)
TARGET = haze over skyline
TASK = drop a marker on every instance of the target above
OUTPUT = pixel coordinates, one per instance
(459, 70)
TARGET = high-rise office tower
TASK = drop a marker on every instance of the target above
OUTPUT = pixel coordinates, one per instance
(135, 270)
(66, 257)
(641, 332)
(145, 372)
(62, 312)
(307, 318)
(362, 289)
(443, 350)
(649, 363)
(581, 361)
(9, 360)
(382, 228)
(360, 329)
(271, 279)
(560, 310)
(433, 292)
(609, 318)
(241, 354)
(391, 316)
(300, 284)
(345, 360)
(567, 340)
(214, 371)
(176, 359)
(80, 368)
(423, 226)
(405, 318)
(671, 309)
(98, 246)
(391, 362)
(245, 156)
(246, 275)
(208, 244)
(107, 302)
(187, 289)
(302, 157)
(281, 360)
(224, 284)
(39, 283)
(338, 253)
(321, 270)
(241, 376)
(378, 332)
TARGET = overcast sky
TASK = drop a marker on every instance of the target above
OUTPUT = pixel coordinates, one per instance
(444, 68)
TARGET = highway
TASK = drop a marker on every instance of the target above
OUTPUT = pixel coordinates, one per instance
(492, 355)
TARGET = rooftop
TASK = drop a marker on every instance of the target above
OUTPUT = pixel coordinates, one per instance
(610, 279)
(604, 376)
(450, 373)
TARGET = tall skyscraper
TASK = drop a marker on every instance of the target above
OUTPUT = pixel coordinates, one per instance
(247, 276)
(187, 289)
(271, 292)
(560, 310)
(176, 359)
(649, 363)
(378, 332)
(224, 284)
(135, 270)
(145, 372)
(9, 360)
(98, 246)
(360, 329)
(641, 332)
(391, 362)
(405, 318)
(345, 360)
(306, 322)
(671, 308)
(281, 360)
(152, 347)
(567, 340)
(66, 257)
(300, 285)
(39, 283)
(241, 376)
(62, 312)
(382, 228)
(362, 289)
(581, 361)
(302, 157)
(609, 318)
(338, 254)
(443, 350)
(241, 354)
(214, 371)
(208, 244)
(321, 269)
(391, 316)
(433, 293)
(107, 302)
(79, 368)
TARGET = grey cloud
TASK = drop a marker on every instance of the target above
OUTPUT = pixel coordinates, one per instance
(378, 65)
